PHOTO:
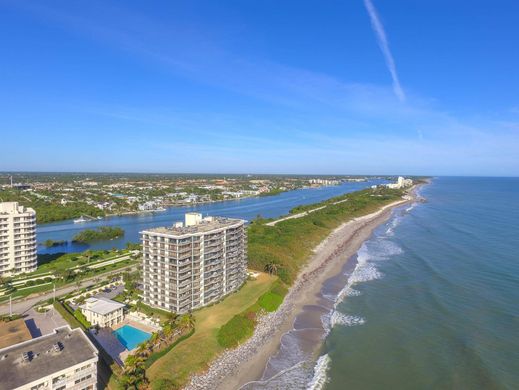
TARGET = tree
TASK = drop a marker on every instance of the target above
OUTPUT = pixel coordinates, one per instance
(186, 321)
(134, 373)
(88, 255)
(271, 268)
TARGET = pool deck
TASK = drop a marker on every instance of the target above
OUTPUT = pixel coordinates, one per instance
(143, 327)
(113, 346)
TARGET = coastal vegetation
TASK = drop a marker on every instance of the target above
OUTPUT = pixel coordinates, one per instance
(284, 248)
(51, 243)
(101, 233)
(241, 326)
(194, 354)
(238, 328)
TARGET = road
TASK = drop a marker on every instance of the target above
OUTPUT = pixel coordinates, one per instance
(21, 305)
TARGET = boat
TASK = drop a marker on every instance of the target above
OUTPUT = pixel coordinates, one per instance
(80, 220)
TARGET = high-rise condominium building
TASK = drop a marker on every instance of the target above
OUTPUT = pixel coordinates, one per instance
(193, 264)
(17, 239)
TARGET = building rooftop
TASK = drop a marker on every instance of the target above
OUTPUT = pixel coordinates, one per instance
(101, 305)
(195, 224)
(13, 332)
(14, 208)
(43, 358)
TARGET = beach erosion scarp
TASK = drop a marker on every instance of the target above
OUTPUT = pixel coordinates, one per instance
(247, 365)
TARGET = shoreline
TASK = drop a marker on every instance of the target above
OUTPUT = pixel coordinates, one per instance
(246, 364)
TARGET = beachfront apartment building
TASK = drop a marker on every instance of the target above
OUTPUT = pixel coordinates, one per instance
(103, 311)
(193, 264)
(17, 239)
(63, 360)
(400, 183)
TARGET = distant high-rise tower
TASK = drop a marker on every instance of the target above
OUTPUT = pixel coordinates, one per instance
(17, 239)
(189, 266)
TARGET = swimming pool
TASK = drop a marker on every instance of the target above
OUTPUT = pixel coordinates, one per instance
(130, 337)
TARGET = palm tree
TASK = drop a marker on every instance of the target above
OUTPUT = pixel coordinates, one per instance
(143, 350)
(187, 321)
(88, 255)
(134, 371)
(271, 268)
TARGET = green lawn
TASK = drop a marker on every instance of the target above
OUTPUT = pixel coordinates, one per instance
(195, 354)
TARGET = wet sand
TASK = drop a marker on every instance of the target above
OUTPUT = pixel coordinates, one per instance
(301, 310)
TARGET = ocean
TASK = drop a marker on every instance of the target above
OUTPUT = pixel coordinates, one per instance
(430, 301)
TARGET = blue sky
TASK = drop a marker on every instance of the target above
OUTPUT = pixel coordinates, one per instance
(335, 87)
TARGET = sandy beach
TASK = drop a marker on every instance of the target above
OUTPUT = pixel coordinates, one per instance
(246, 363)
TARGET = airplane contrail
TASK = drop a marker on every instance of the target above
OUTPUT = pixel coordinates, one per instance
(378, 28)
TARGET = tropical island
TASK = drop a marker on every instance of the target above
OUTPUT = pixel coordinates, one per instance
(102, 233)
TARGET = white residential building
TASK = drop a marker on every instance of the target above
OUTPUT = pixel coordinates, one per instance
(103, 311)
(400, 183)
(17, 239)
(63, 360)
(193, 264)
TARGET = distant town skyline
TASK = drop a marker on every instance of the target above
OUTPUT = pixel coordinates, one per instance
(362, 87)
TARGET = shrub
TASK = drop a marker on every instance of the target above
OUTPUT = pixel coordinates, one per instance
(270, 301)
(82, 319)
(279, 289)
(29, 283)
(239, 328)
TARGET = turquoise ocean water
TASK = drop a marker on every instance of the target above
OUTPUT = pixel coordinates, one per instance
(430, 301)
(437, 295)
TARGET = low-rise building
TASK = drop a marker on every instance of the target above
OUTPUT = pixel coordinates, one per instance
(103, 311)
(64, 359)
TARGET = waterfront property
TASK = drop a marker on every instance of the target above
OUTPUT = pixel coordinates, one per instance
(17, 239)
(103, 311)
(190, 265)
(64, 359)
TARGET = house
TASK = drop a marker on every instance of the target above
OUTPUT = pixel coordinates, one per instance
(103, 311)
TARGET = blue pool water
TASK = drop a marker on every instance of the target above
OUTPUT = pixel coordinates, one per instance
(131, 337)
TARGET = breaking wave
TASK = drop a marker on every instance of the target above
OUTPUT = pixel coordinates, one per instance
(320, 377)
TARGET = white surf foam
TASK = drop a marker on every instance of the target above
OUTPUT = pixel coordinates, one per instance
(337, 318)
(320, 377)
(347, 291)
(345, 320)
